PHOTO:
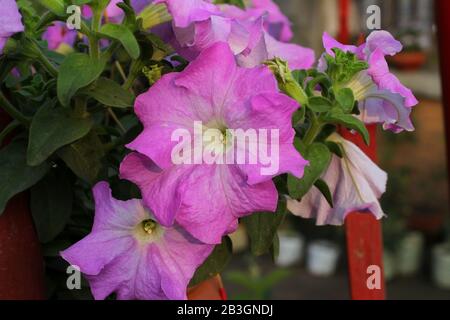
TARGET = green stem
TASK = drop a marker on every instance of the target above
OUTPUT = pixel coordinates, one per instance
(93, 39)
(135, 69)
(13, 125)
(12, 111)
(46, 63)
(314, 131)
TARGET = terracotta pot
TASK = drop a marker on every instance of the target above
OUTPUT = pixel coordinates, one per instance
(409, 61)
(211, 289)
(21, 262)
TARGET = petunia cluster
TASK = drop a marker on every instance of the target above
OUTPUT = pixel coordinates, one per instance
(241, 109)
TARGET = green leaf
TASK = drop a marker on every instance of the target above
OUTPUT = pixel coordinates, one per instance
(336, 116)
(77, 71)
(319, 104)
(346, 99)
(51, 204)
(84, 157)
(319, 157)
(15, 175)
(58, 7)
(335, 148)
(215, 263)
(262, 227)
(122, 34)
(110, 93)
(51, 129)
(325, 190)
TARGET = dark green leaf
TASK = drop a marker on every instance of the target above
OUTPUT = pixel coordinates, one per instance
(15, 175)
(122, 34)
(51, 204)
(51, 129)
(319, 158)
(346, 99)
(84, 157)
(262, 227)
(77, 71)
(215, 263)
(325, 190)
(335, 148)
(58, 7)
(337, 116)
(319, 104)
(110, 93)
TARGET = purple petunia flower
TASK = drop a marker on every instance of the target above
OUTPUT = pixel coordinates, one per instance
(356, 184)
(10, 21)
(275, 22)
(383, 98)
(58, 34)
(199, 24)
(130, 254)
(207, 199)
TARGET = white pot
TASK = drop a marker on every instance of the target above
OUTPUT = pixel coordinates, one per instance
(291, 249)
(441, 266)
(409, 254)
(322, 258)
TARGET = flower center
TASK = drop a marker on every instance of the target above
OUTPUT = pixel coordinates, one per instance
(148, 231)
(149, 226)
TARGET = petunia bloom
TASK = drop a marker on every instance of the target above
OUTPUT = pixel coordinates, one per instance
(199, 24)
(275, 22)
(130, 254)
(208, 198)
(356, 184)
(59, 37)
(383, 98)
(10, 21)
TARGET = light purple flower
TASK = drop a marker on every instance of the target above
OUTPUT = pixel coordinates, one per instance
(58, 34)
(10, 21)
(355, 182)
(275, 22)
(383, 98)
(207, 199)
(199, 24)
(130, 254)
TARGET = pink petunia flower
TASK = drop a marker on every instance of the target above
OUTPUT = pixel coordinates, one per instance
(356, 184)
(10, 21)
(130, 254)
(199, 24)
(383, 98)
(58, 34)
(207, 199)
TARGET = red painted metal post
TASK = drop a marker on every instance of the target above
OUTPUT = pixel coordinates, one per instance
(21, 263)
(443, 22)
(363, 231)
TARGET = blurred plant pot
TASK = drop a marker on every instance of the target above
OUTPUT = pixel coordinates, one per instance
(409, 61)
(390, 270)
(441, 265)
(21, 262)
(409, 254)
(211, 289)
(291, 249)
(322, 258)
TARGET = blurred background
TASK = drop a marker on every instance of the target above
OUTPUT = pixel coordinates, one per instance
(417, 261)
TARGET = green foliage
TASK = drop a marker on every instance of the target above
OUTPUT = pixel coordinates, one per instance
(344, 66)
(53, 128)
(262, 228)
(110, 93)
(51, 204)
(319, 157)
(16, 176)
(77, 71)
(122, 34)
(215, 263)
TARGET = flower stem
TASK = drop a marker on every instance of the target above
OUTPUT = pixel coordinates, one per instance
(12, 111)
(314, 130)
